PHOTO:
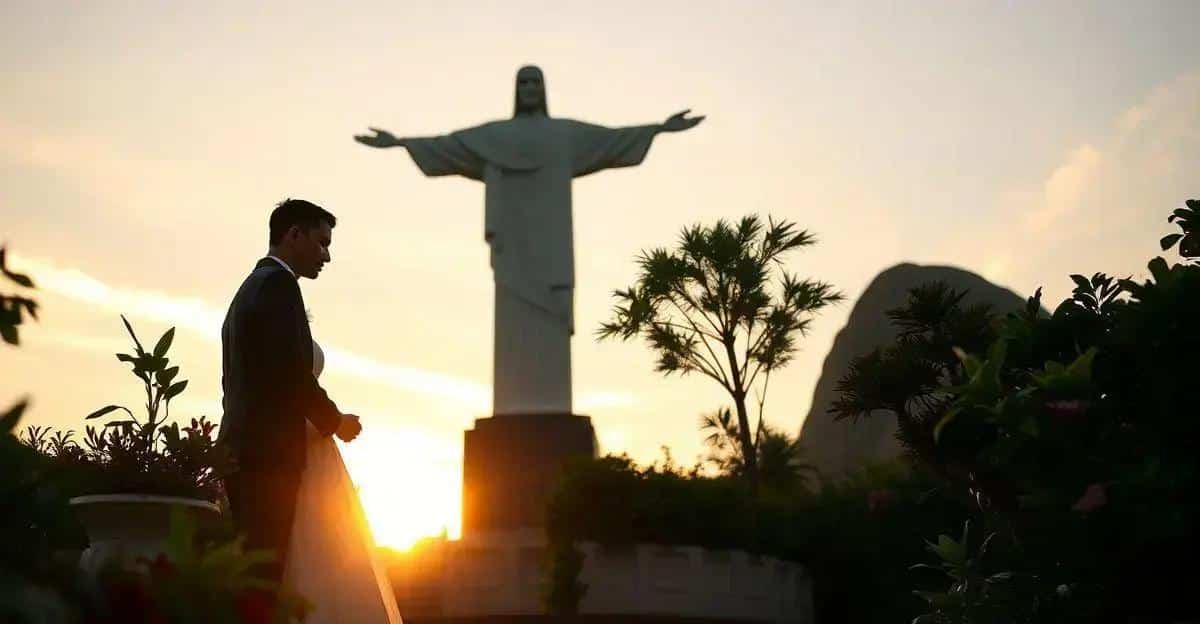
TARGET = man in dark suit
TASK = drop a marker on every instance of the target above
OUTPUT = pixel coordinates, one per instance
(268, 382)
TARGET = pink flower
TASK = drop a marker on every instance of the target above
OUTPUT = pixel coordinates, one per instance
(880, 500)
(1067, 410)
(1093, 497)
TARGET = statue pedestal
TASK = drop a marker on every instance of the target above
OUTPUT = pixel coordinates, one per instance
(511, 464)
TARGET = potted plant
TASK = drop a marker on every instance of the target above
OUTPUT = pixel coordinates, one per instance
(132, 474)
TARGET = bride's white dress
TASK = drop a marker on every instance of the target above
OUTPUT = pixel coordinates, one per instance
(332, 559)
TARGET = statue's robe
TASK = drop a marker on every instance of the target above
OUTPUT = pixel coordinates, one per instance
(527, 164)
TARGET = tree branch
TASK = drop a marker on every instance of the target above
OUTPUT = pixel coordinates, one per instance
(723, 379)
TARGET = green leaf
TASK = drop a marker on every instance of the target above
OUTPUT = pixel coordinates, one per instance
(136, 342)
(1081, 369)
(1158, 269)
(175, 389)
(31, 307)
(935, 599)
(1029, 426)
(1169, 240)
(105, 410)
(951, 416)
(167, 375)
(151, 363)
(121, 423)
(16, 277)
(8, 422)
(125, 357)
(1190, 246)
(948, 550)
(19, 278)
(164, 343)
(9, 334)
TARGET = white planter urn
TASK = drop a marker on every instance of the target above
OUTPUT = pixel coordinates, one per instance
(128, 526)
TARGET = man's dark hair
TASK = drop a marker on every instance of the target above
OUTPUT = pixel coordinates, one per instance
(299, 212)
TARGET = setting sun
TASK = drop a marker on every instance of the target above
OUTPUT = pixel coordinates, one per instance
(409, 482)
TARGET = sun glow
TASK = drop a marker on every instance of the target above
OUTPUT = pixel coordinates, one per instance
(410, 484)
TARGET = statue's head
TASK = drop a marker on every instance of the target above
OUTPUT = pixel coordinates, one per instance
(531, 92)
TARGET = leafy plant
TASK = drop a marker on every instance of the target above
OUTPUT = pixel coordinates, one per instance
(196, 582)
(713, 306)
(974, 596)
(143, 456)
(14, 307)
(1188, 220)
(780, 458)
(908, 380)
(855, 537)
(1071, 436)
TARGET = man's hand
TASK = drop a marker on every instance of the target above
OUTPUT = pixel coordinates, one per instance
(381, 138)
(680, 121)
(349, 429)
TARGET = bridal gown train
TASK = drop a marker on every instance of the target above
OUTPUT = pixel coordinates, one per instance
(332, 559)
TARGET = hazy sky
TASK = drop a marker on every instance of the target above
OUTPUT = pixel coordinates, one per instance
(142, 146)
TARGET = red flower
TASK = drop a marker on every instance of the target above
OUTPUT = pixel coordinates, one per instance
(1093, 497)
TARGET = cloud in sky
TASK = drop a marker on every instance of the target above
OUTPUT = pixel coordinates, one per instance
(1065, 187)
(1153, 150)
(1104, 206)
(200, 317)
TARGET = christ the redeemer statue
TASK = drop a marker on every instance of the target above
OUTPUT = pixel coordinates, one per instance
(527, 164)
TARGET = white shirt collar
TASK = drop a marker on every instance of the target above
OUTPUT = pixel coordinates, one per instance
(284, 265)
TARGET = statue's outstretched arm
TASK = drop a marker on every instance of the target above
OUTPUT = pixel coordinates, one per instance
(381, 139)
(680, 121)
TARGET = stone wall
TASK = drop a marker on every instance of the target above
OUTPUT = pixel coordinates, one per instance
(502, 574)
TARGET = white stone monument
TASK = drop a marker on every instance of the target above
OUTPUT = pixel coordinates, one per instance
(527, 164)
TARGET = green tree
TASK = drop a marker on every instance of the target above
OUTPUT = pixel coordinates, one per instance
(1068, 435)
(780, 459)
(722, 305)
(14, 307)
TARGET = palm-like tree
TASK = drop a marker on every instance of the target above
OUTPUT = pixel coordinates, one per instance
(780, 458)
(714, 306)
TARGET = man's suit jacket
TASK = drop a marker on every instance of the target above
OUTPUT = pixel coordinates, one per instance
(267, 359)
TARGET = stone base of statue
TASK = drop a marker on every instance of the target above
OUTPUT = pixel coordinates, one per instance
(511, 464)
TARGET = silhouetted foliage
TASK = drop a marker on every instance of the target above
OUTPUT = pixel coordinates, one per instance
(854, 537)
(714, 306)
(13, 308)
(906, 378)
(1070, 436)
(1188, 220)
(198, 579)
(142, 456)
(781, 465)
